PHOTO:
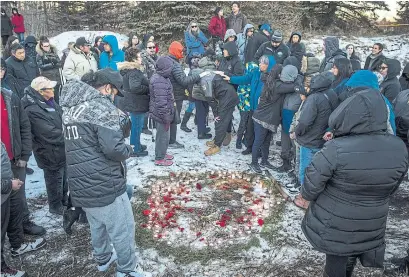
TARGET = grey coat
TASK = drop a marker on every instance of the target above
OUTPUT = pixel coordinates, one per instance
(356, 171)
(236, 22)
(94, 144)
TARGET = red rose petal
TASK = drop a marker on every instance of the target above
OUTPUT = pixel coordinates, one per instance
(146, 212)
(202, 239)
(229, 211)
(190, 210)
(260, 222)
(198, 234)
(199, 186)
(144, 225)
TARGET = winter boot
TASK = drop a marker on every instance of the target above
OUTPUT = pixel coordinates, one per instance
(350, 266)
(212, 150)
(246, 152)
(83, 218)
(69, 217)
(185, 119)
(32, 229)
(163, 162)
(204, 136)
(28, 246)
(104, 267)
(255, 167)
(210, 143)
(29, 171)
(141, 153)
(176, 145)
(285, 167)
(266, 164)
(7, 271)
(227, 139)
(58, 209)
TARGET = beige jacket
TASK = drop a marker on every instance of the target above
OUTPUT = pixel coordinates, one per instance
(78, 64)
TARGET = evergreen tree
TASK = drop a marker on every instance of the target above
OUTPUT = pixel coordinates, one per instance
(403, 12)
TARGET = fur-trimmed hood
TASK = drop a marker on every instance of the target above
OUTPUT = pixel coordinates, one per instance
(129, 66)
(41, 52)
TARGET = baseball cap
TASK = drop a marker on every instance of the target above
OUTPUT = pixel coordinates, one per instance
(41, 82)
(110, 76)
(81, 41)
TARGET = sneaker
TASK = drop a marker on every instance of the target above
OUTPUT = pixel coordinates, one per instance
(140, 154)
(29, 171)
(163, 162)
(204, 136)
(7, 271)
(266, 164)
(28, 247)
(57, 210)
(147, 131)
(129, 274)
(227, 139)
(105, 266)
(176, 145)
(255, 168)
(210, 143)
(212, 150)
(246, 152)
(169, 157)
(185, 128)
(30, 228)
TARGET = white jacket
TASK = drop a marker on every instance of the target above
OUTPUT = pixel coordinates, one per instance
(77, 64)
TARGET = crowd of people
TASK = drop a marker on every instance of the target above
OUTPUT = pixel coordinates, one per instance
(344, 128)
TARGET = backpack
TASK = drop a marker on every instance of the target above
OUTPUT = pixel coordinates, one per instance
(203, 90)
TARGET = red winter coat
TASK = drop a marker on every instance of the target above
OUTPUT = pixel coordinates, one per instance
(217, 26)
(18, 23)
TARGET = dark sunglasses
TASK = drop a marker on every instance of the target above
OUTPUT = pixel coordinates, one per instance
(151, 47)
(194, 26)
(384, 67)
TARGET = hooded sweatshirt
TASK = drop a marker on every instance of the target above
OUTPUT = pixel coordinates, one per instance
(230, 33)
(404, 79)
(30, 44)
(332, 52)
(390, 86)
(116, 55)
(231, 65)
(195, 41)
(242, 41)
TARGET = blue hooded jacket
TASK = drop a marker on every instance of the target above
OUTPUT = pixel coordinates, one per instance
(366, 78)
(253, 78)
(195, 44)
(118, 55)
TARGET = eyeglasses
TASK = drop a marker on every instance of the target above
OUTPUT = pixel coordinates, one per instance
(46, 46)
(194, 27)
(384, 67)
(151, 47)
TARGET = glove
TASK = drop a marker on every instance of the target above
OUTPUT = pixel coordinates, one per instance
(203, 74)
(21, 163)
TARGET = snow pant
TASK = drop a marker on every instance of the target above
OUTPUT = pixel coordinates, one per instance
(20, 37)
(246, 128)
(15, 224)
(114, 224)
(57, 187)
(287, 146)
(4, 40)
(262, 141)
(5, 217)
(174, 126)
(339, 266)
(222, 126)
(20, 173)
(162, 140)
(190, 108)
(202, 110)
(137, 120)
(306, 155)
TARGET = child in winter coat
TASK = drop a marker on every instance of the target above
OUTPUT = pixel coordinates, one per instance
(162, 109)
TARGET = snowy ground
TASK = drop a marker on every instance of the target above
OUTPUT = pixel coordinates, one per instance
(289, 255)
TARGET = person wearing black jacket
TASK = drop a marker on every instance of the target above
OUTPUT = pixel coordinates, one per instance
(347, 215)
(260, 37)
(401, 110)
(16, 134)
(21, 67)
(9, 81)
(136, 96)
(45, 116)
(49, 64)
(180, 83)
(404, 79)
(30, 44)
(375, 59)
(231, 64)
(275, 48)
(6, 27)
(7, 49)
(390, 70)
(224, 101)
(313, 121)
(332, 52)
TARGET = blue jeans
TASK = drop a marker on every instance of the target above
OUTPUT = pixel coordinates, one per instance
(306, 155)
(20, 37)
(191, 107)
(136, 130)
(262, 140)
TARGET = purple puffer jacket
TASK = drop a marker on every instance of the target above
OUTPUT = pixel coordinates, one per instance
(161, 105)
